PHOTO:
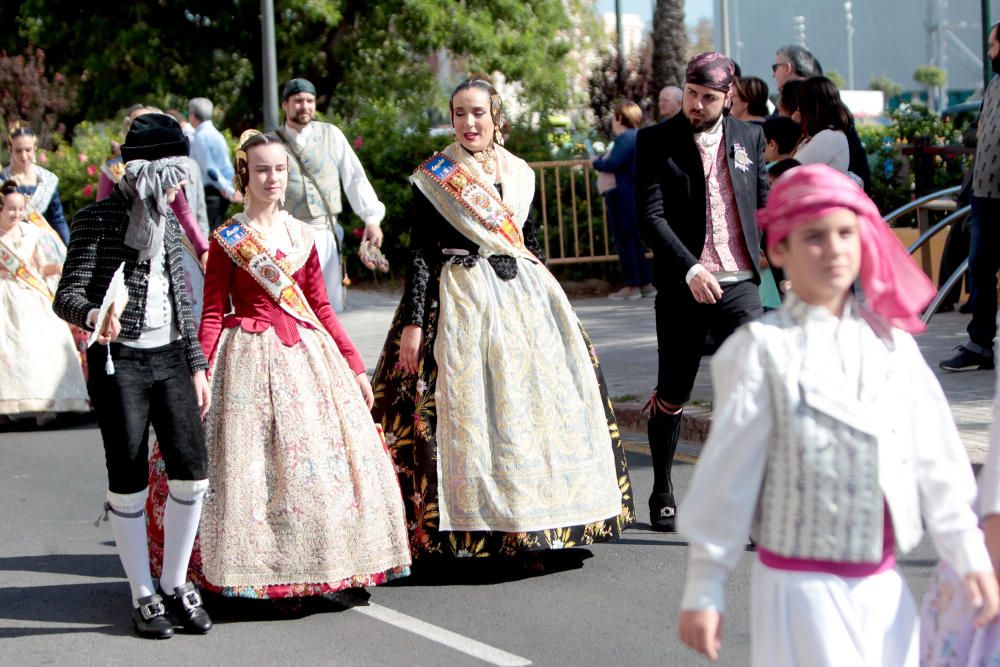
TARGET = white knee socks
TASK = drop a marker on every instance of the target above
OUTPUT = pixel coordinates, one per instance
(128, 524)
(180, 526)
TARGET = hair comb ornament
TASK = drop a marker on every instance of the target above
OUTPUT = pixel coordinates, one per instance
(242, 176)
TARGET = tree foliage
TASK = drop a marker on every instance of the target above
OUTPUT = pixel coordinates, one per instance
(359, 54)
(837, 78)
(670, 43)
(29, 94)
(703, 36)
(888, 87)
(638, 85)
(930, 76)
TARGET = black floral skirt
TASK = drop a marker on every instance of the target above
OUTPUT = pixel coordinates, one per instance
(404, 405)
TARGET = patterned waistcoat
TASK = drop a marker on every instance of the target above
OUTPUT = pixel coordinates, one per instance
(821, 497)
(725, 248)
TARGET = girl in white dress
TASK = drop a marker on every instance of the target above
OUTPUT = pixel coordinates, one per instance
(40, 370)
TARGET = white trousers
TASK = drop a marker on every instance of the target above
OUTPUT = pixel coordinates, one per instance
(329, 260)
(812, 619)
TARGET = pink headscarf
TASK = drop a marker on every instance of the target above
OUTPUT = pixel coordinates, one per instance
(894, 287)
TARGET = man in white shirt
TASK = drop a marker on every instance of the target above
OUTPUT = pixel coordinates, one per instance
(322, 161)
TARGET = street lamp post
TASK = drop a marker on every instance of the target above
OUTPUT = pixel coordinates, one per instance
(621, 45)
(270, 64)
(987, 24)
(849, 23)
(724, 24)
(799, 23)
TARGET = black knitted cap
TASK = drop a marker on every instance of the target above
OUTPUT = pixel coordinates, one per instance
(154, 136)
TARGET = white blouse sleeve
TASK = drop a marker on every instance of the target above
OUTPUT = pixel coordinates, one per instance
(944, 476)
(989, 478)
(358, 189)
(716, 514)
(827, 147)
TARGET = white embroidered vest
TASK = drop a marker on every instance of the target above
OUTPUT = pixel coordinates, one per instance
(821, 498)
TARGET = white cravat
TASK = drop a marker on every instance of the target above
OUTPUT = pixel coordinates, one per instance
(710, 138)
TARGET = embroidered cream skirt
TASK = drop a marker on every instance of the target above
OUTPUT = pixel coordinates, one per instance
(303, 489)
(521, 431)
(39, 365)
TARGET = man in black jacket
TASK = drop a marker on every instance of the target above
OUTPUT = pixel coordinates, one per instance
(700, 179)
(152, 370)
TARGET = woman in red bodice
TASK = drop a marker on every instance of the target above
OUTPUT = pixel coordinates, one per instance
(304, 498)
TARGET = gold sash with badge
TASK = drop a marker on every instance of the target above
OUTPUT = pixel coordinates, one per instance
(248, 253)
(17, 269)
(481, 202)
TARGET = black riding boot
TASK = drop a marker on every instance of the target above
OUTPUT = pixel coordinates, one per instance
(664, 431)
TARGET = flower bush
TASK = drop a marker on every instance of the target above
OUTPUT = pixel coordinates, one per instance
(77, 162)
(893, 174)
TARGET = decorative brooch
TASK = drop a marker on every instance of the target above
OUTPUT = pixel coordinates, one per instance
(741, 158)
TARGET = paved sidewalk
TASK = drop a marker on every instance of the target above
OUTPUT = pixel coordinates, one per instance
(625, 336)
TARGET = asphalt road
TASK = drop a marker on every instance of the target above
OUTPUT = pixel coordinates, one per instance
(64, 600)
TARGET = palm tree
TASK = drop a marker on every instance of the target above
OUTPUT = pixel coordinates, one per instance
(670, 43)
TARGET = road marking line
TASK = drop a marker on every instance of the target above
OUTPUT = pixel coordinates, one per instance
(484, 652)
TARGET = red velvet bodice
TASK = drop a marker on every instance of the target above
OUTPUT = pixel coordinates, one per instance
(255, 311)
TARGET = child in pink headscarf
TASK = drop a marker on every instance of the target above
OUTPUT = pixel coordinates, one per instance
(831, 444)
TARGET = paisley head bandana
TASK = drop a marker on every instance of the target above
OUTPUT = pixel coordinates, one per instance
(712, 70)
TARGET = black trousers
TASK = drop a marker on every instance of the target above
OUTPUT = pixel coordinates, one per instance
(215, 207)
(984, 261)
(682, 324)
(148, 386)
(956, 250)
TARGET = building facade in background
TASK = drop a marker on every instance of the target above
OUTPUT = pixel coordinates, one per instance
(633, 30)
(891, 38)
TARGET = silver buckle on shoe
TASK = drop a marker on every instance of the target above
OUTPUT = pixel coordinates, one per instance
(191, 600)
(152, 609)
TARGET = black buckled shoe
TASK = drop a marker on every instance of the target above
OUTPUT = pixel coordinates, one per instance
(185, 609)
(150, 619)
(663, 512)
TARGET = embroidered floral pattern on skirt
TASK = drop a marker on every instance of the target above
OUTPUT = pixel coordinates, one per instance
(303, 500)
(405, 406)
(947, 636)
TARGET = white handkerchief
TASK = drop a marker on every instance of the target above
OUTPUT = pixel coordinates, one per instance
(117, 296)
